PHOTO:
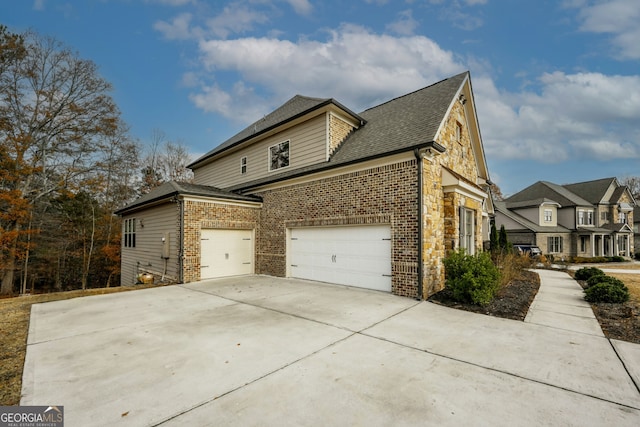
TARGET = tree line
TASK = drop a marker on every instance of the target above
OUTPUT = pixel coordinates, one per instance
(67, 161)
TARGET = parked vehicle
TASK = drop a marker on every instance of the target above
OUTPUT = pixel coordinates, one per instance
(523, 249)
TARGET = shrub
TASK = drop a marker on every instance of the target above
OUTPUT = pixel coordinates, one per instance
(616, 258)
(511, 265)
(607, 292)
(586, 272)
(637, 256)
(471, 278)
(594, 280)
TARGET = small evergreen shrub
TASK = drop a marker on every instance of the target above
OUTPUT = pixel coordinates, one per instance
(617, 258)
(594, 280)
(607, 292)
(586, 272)
(471, 278)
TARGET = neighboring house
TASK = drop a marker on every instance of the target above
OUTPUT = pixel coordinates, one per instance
(584, 219)
(316, 191)
(636, 229)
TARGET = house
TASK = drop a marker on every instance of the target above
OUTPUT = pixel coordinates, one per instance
(636, 229)
(316, 191)
(584, 219)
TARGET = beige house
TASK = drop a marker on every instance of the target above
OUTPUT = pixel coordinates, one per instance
(585, 219)
(316, 191)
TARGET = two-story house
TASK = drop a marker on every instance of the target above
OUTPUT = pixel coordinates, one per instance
(585, 219)
(316, 191)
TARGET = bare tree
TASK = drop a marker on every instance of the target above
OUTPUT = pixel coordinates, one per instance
(633, 182)
(55, 111)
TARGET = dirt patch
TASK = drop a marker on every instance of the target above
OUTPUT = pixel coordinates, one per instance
(512, 301)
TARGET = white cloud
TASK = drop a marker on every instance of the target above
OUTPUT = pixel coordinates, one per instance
(302, 7)
(616, 17)
(405, 24)
(235, 18)
(38, 5)
(177, 29)
(354, 65)
(571, 116)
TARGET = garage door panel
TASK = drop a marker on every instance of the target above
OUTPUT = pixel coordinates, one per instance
(354, 255)
(225, 253)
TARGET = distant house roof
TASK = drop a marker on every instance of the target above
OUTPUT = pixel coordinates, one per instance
(501, 207)
(592, 191)
(401, 124)
(173, 188)
(545, 189)
(295, 107)
(532, 203)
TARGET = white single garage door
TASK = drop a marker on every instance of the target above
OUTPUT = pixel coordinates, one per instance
(225, 253)
(350, 255)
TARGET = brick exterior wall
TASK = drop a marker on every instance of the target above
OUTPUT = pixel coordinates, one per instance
(199, 215)
(382, 195)
(379, 195)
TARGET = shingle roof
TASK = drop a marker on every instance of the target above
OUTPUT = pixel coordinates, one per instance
(501, 206)
(173, 188)
(293, 108)
(592, 191)
(530, 203)
(550, 190)
(401, 124)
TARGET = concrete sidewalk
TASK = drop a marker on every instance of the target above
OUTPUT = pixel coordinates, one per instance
(560, 304)
(267, 351)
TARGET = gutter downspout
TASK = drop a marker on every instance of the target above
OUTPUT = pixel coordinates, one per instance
(181, 240)
(419, 164)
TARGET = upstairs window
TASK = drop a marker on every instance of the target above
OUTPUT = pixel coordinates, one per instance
(458, 132)
(580, 217)
(130, 233)
(243, 165)
(279, 156)
(604, 216)
(548, 215)
(589, 217)
(622, 218)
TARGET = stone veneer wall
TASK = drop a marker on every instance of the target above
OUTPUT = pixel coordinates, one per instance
(381, 195)
(199, 215)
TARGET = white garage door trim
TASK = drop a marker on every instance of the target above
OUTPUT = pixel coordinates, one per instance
(226, 252)
(347, 255)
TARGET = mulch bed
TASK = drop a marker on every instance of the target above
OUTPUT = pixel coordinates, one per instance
(512, 301)
(618, 321)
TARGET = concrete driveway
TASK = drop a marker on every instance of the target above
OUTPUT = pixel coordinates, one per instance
(268, 351)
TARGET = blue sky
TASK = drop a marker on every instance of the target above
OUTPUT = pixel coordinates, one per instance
(557, 83)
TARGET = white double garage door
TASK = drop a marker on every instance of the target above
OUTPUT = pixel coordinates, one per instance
(349, 255)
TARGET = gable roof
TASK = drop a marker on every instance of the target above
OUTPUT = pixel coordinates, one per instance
(402, 124)
(592, 191)
(174, 188)
(501, 207)
(549, 190)
(295, 107)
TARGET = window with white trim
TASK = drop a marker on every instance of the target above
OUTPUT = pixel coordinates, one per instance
(622, 217)
(548, 215)
(589, 217)
(279, 156)
(583, 243)
(580, 217)
(458, 132)
(554, 244)
(467, 230)
(243, 165)
(129, 233)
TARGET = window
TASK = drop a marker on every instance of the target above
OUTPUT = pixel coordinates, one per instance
(622, 218)
(467, 230)
(548, 215)
(589, 217)
(554, 244)
(604, 216)
(130, 233)
(583, 243)
(622, 245)
(580, 217)
(458, 132)
(279, 156)
(243, 165)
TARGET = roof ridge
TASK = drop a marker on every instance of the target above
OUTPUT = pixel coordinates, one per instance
(415, 91)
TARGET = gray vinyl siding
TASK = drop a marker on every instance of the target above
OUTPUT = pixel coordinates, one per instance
(307, 146)
(157, 221)
(532, 214)
(567, 217)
